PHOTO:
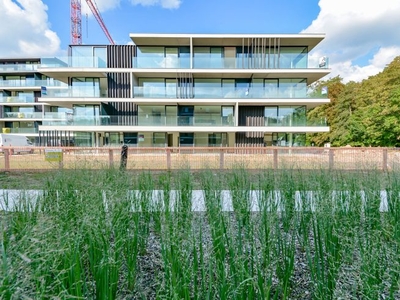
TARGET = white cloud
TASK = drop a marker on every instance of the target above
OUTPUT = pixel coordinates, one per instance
(25, 31)
(101, 5)
(171, 4)
(355, 31)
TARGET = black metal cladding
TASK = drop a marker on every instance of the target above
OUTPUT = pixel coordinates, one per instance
(119, 84)
(250, 116)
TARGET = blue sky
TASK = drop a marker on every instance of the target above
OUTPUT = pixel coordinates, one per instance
(361, 36)
(192, 16)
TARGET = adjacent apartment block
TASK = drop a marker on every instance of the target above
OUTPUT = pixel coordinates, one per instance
(171, 90)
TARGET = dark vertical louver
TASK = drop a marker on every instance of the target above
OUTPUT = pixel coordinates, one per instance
(250, 116)
(119, 84)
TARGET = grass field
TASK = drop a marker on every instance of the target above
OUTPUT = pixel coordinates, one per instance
(88, 237)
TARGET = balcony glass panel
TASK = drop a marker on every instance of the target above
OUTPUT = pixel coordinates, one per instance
(88, 92)
(20, 130)
(73, 62)
(289, 116)
(293, 58)
(288, 90)
(84, 120)
(162, 57)
(160, 62)
(23, 115)
(151, 115)
(30, 83)
(18, 67)
(22, 98)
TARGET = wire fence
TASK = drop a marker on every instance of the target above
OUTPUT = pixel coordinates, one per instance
(196, 158)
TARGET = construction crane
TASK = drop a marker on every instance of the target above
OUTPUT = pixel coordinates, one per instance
(76, 21)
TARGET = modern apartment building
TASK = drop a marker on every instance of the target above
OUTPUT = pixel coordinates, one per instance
(168, 90)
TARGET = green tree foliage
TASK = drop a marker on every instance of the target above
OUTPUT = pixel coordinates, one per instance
(361, 114)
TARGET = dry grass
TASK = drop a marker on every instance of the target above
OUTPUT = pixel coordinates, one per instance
(147, 159)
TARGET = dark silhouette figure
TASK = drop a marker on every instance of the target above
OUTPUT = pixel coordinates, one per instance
(124, 157)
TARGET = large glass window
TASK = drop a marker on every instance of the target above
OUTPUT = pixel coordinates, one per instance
(151, 115)
(293, 57)
(292, 115)
(207, 88)
(271, 115)
(100, 53)
(86, 114)
(288, 139)
(293, 88)
(157, 88)
(285, 115)
(159, 139)
(89, 56)
(162, 57)
(208, 57)
(85, 87)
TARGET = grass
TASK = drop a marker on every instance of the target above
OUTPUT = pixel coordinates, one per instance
(108, 235)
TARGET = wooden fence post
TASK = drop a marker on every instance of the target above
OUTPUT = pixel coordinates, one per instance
(111, 158)
(331, 159)
(385, 159)
(7, 159)
(275, 152)
(168, 158)
(221, 159)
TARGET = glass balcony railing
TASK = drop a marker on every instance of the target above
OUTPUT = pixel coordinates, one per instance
(30, 83)
(18, 67)
(258, 63)
(159, 62)
(64, 119)
(56, 115)
(71, 92)
(17, 99)
(73, 62)
(23, 115)
(226, 92)
(198, 120)
(22, 130)
(290, 122)
(61, 119)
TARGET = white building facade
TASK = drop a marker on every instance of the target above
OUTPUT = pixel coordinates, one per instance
(173, 90)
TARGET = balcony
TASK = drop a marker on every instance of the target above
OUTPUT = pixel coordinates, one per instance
(30, 83)
(196, 120)
(199, 120)
(75, 92)
(17, 99)
(73, 62)
(228, 93)
(260, 62)
(23, 115)
(159, 62)
(18, 67)
(64, 119)
(26, 130)
(293, 122)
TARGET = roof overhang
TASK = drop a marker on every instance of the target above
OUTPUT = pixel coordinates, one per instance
(157, 39)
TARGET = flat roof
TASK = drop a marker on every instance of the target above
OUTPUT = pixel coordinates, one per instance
(183, 39)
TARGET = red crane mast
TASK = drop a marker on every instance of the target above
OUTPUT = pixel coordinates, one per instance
(76, 21)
